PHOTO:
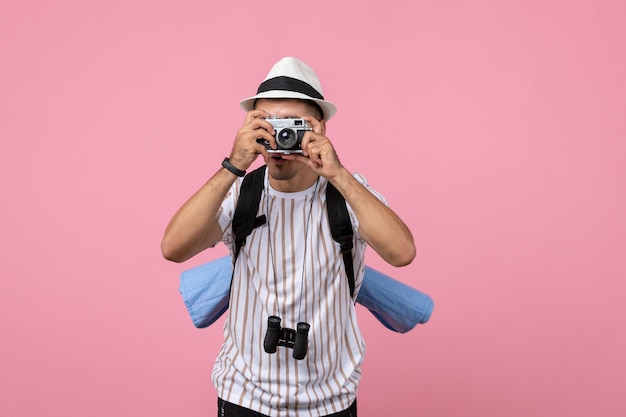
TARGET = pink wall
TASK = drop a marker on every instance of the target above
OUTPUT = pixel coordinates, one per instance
(495, 129)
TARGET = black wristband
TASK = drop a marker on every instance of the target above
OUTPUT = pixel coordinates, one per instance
(226, 164)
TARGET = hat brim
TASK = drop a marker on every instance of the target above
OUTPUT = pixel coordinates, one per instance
(328, 108)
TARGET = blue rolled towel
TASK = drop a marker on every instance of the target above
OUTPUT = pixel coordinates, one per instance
(206, 288)
(398, 306)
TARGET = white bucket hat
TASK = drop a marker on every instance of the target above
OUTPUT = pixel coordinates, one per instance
(291, 78)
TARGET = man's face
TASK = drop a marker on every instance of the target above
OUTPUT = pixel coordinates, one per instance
(279, 168)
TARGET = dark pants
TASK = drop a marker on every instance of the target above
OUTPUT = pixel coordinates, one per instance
(226, 409)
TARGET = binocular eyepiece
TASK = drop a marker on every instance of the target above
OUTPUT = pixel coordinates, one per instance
(275, 336)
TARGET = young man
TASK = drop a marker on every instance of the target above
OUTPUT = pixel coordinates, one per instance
(289, 268)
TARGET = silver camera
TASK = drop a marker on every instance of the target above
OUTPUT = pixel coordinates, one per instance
(289, 134)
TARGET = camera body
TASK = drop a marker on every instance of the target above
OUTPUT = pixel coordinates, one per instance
(288, 134)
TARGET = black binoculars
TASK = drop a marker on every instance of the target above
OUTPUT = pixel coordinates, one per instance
(297, 340)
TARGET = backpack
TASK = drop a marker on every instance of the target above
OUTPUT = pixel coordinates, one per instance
(245, 218)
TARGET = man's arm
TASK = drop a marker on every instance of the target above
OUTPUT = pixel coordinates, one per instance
(379, 226)
(194, 227)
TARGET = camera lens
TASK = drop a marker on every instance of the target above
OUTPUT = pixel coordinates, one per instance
(286, 138)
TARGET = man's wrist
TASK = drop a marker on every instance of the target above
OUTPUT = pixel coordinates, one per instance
(233, 169)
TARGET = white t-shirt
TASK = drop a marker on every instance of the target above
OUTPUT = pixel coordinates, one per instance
(291, 268)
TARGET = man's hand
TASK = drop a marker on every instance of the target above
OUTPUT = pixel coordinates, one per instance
(246, 148)
(317, 151)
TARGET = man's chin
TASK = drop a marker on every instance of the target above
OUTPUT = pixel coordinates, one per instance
(280, 169)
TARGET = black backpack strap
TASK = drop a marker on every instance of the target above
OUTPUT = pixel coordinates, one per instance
(245, 218)
(341, 229)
